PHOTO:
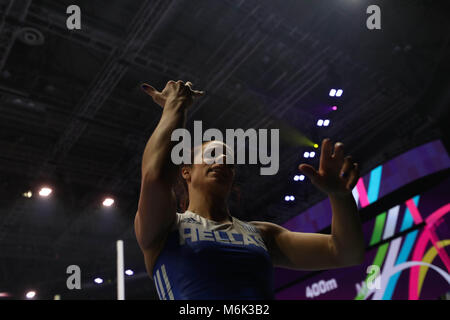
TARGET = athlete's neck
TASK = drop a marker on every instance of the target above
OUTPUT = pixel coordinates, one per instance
(209, 206)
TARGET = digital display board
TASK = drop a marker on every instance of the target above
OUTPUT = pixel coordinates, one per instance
(408, 245)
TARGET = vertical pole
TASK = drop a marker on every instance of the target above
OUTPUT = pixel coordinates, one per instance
(120, 272)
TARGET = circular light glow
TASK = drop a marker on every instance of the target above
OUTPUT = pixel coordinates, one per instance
(98, 280)
(326, 123)
(292, 198)
(28, 194)
(108, 202)
(45, 192)
(129, 272)
(316, 145)
(334, 108)
(302, 177)
(296, 178)
(312, 154)
(31, 294)
(332, 92)
(286, 198)
(306, 155)
(320, 122)
(339, 92)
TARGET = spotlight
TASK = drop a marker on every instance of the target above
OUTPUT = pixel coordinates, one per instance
(98, 280)
(108, 202)
(332, 92)
(302, 177)
(45, 192)
(319, 122)
(129, 272)
(30, 294)
(286, 198)
(306, 155)
(316, 145)
(326, 123)
(334, 108)
(312, 154)
(339, 92)
(296, 178)
(292, 198)
(27, 194)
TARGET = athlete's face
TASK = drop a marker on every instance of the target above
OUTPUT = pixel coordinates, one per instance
(210, 171)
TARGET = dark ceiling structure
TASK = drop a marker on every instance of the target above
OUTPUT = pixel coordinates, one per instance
(73, 117)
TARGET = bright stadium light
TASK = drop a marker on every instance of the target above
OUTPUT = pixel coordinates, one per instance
(45, 192)
(30, 294)
(332, 92)
(319, 122)
(306, 155)
(339, 92)
(326, 122)
(98, 280)
(108, 202)
(27, 194)
(129, 272)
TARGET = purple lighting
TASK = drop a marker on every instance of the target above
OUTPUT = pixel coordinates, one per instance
(334, 108)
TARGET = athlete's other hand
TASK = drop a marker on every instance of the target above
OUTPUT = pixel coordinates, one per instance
(337, 175)
(173, 91)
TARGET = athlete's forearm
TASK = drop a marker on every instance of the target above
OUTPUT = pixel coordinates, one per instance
(156, 162)
(346, 229)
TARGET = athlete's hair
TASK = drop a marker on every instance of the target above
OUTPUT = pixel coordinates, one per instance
(181, 188)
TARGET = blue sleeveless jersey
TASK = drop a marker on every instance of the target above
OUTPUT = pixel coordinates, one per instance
(203, 259)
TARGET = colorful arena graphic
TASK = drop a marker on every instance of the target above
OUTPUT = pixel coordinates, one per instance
(407, 244)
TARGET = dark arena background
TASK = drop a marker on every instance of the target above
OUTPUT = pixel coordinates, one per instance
(74, 123)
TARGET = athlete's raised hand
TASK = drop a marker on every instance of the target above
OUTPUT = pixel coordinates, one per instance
(337, 174)
(173, 91)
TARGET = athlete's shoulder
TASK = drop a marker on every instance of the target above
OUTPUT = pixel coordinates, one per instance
(187, 217)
